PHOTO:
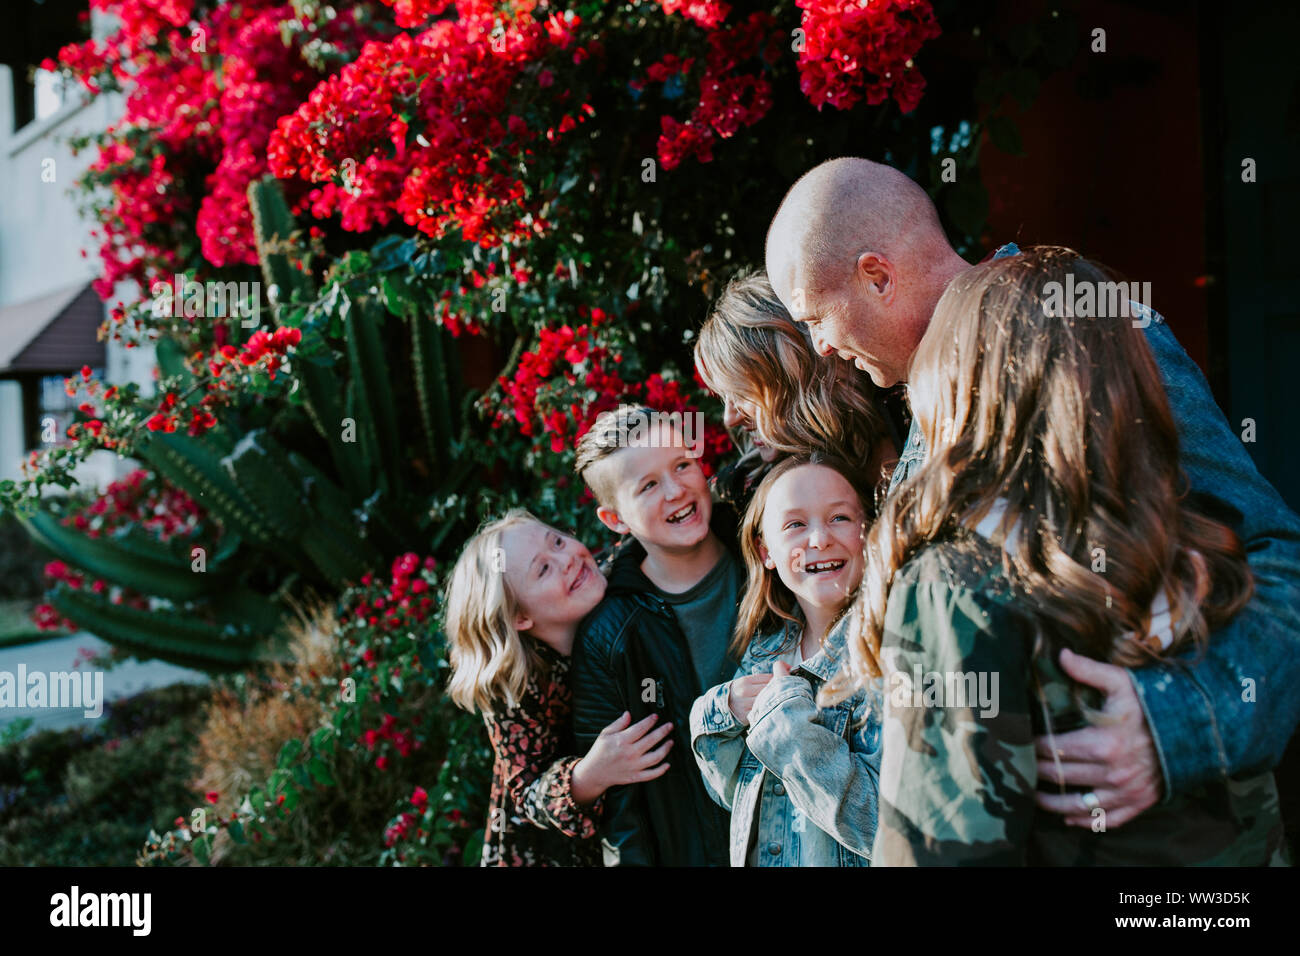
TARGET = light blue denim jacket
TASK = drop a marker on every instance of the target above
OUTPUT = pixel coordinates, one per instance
(804, 779)
(1232, 711)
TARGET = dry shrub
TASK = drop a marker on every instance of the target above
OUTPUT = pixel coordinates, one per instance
(246, 726)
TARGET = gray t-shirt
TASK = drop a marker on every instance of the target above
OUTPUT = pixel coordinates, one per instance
(706, 614)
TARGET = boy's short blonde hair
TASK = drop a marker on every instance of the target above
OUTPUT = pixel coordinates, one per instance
(611, 431)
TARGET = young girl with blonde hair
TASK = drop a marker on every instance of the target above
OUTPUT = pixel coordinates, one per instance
(513, 603)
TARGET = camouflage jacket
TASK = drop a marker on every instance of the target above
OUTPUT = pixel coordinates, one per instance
(1206, 730)
(967, 688)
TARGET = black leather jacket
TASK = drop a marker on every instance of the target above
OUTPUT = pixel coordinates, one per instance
(632, 655)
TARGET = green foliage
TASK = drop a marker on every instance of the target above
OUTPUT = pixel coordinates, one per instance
(334, 796)
(81, 797)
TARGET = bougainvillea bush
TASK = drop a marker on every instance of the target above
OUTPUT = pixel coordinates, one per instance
(451, 233)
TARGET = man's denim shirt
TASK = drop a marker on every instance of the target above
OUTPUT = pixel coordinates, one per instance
(1231, 711)
(801, 781)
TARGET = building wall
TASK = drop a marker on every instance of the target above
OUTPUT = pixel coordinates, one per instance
(1112, 163)
(42, 236)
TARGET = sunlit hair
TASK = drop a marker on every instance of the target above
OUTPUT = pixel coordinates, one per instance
(490, 660)
(1066, 418)
(750, 348)
(768, 603)
(611, 431)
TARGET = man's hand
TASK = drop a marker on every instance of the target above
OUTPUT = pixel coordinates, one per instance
(1117, 761)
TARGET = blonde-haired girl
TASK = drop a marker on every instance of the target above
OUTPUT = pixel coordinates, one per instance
(513, 604)
(800, 781)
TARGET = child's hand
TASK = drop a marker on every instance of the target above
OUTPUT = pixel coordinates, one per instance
(741, 693)
(622, 754)
(780, 669)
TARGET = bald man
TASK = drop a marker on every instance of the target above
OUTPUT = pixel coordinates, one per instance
(856, 251)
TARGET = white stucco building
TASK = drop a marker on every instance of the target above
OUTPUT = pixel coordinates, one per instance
(48, 312)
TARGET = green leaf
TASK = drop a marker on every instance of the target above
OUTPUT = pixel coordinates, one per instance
(236, 831)
(473, 852)
(1021, 39)
(289, 753)
(393, 252)
(430, 263)
(1022, 83)
(397, 295)
(202, 847)
(323, 740)
(1005, 135)
(320, 772)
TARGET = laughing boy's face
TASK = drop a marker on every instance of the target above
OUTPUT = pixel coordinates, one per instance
(661, 494)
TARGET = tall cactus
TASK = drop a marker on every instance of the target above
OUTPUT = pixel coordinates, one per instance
(272, 226)
(174, 635)
(370, 398)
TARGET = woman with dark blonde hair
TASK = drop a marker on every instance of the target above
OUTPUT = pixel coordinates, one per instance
(780, 394)
(1049, 514)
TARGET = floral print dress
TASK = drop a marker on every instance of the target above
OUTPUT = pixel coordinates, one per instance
(532, 817)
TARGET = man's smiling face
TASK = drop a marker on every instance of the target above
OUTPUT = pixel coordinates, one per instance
(844, 322)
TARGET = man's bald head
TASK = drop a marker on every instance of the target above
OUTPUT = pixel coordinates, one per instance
(857, 251)
(844, 207)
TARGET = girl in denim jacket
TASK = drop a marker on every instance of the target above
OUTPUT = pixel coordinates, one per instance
(800, 782)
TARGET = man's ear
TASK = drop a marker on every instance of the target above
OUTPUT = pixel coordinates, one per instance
(879, 272)
(610, 519)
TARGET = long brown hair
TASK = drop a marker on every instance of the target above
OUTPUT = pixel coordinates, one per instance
(1065, 417)
(750, 347)
(768, 603)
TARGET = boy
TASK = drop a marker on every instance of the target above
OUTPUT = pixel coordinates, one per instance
(659, 637)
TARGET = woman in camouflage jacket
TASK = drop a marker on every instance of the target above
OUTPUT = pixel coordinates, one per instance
(1046, 519)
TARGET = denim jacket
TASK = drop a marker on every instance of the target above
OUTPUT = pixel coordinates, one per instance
(1231, 711)
(802, 781)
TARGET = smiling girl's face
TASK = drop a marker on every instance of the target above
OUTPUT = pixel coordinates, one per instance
(553, 577)
(812, 531)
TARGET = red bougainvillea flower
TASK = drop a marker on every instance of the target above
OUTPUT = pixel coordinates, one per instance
(853, 50)
(707, 13)
(729, 100)
(421, 126)
(203, 90)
